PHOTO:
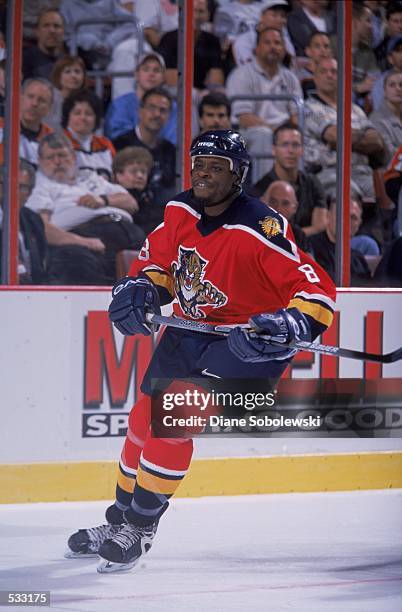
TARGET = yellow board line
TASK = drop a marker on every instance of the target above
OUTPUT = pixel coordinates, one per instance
(94, 480)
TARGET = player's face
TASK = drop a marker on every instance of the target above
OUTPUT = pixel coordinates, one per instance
(57, 164)
(211, 179)
(214, 118)
(288, 149)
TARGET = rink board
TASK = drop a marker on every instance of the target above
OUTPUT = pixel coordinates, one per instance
(91, 481)
(68, 382)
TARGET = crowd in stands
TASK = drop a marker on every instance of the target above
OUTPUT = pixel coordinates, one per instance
(98, 125)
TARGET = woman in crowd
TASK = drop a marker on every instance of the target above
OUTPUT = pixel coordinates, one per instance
(81, 117)
(68, 76)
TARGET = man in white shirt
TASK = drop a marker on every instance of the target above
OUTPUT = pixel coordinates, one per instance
(264, 75)
(87, 219)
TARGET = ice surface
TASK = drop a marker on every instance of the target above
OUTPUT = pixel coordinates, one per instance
(313, 552)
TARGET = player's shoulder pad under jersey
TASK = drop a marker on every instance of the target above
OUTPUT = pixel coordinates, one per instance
(183, 200)
(264, 222)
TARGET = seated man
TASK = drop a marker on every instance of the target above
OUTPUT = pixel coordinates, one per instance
(259, 118)
(31, 236)
(320, 134)
(87, 219)
(155, 108)
(323, 246)
(208, 66)
(122, 114)
(312, 214)
(214, 112)
(38, 61)
(281, 196)
(274, 14)
(131, 168)
(36, 101)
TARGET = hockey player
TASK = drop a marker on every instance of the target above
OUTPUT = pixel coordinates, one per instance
(226, 259)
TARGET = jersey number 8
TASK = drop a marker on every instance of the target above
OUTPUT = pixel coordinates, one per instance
(310, 273)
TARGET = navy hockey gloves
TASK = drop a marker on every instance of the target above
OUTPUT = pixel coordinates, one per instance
(132, 298)
(283, 326)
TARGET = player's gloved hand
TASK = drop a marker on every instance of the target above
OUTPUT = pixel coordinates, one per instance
(283, 326)
(132, 298)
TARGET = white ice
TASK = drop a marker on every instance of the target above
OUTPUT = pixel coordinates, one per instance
(315, 552)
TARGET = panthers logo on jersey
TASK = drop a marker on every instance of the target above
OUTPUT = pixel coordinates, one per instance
(270, 226)
(190, 288)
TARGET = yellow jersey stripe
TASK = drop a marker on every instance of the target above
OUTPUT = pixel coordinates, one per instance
(314, 310)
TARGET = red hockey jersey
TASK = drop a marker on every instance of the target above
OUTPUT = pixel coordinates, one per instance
(225, 269)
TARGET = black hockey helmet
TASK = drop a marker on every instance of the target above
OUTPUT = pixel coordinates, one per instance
(223, 143)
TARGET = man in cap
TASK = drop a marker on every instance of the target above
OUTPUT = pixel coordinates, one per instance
(123, 113)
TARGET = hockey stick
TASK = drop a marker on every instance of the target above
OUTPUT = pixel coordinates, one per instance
(312, 347)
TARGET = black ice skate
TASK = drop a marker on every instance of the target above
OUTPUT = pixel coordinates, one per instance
(122, 551)
(86, 542)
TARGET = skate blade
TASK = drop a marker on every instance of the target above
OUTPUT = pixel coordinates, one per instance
(108, 567)
(70, 554)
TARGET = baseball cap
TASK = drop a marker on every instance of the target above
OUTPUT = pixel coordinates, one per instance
(393, 43)
(151, 55)
(269, 4)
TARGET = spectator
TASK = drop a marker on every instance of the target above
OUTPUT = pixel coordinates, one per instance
(131, 168)
(365, 67)
(273, 15)
(389, 270)
(96, 41)
(377, 19)
(323, 245)
(320, 134)
(208, 67)
(318, 48)
(32, 10)
(394, 58)
(38, 61)
(68, 76)
(388, 118)
(232, 19)
(264, 75)
(311, 214)
(81, 117)
(156, 105)
(122, 114)
(2, 86)
(214, 112)
(87, 219)
(157, 18)
(393, 185)
(310, 17)
(36, 101)
(393, 29)
(281, 196)
(31, 235)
